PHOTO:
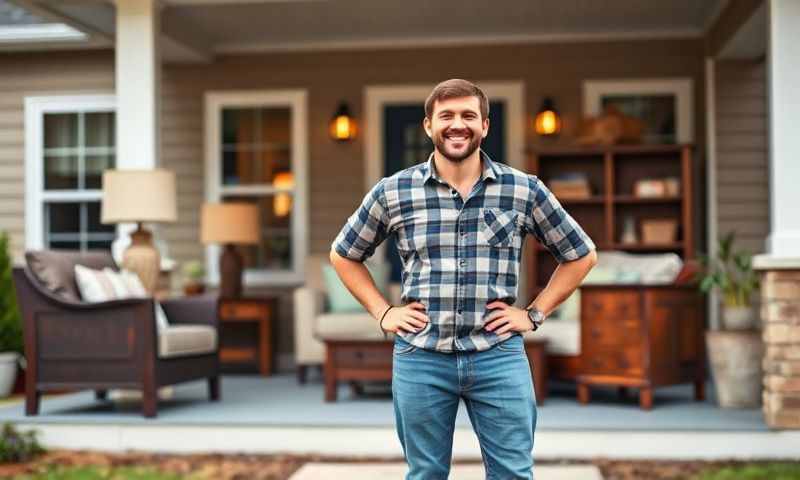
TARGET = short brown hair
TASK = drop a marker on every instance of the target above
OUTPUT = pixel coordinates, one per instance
(456, 88)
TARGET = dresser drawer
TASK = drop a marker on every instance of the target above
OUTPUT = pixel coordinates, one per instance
(362, 356)
(613, 361)
(610, 318)
(243, 310)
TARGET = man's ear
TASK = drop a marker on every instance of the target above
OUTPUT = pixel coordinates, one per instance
(485, 128)
(426, 124)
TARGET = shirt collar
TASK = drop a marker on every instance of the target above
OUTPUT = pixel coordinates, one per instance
(489, 169)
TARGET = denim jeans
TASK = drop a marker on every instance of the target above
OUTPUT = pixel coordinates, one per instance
(497, 390)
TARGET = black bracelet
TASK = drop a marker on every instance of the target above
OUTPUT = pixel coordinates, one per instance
(381, 321)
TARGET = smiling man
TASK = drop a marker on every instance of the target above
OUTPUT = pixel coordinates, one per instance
(460, 221)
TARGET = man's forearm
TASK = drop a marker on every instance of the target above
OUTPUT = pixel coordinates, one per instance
(565, 279)
(359, 282)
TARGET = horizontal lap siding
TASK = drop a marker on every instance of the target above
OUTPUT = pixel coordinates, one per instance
(22, 75)
(742, 153)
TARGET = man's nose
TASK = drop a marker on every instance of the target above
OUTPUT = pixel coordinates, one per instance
(458, 122)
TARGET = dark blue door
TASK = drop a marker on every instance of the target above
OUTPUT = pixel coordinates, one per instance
(406, 144)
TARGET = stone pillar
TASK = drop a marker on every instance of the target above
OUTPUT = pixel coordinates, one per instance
(780, 314)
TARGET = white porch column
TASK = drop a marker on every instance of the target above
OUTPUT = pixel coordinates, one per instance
(780, 266)
(138, 82)
(784, 111)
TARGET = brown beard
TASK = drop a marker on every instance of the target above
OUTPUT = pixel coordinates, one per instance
(474, 144)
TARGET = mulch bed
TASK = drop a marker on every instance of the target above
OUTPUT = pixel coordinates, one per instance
(281, 467)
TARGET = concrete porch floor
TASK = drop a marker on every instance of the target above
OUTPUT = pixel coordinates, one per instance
(276, 414)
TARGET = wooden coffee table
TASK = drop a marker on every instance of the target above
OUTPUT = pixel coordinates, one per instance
(356, 360)
(537, 358)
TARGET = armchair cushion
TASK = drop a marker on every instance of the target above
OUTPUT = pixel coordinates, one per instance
(54, 268)
(348, 326)
(178, 340)
(340, 300)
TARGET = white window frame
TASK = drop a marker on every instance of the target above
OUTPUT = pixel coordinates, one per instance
(296, 101)
(35, 195)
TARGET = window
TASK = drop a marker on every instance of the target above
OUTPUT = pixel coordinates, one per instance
(70, 141)
(256, 152)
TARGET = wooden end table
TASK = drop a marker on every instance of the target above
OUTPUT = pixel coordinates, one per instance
(356, 360)
(260, 311)
(536, 350)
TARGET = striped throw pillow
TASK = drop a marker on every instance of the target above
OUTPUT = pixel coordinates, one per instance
(107, 284)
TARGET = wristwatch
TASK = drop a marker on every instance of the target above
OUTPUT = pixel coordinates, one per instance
(536, 317)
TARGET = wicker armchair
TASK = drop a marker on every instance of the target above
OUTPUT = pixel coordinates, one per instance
(72, 344)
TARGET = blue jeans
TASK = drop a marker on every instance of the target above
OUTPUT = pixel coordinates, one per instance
(497, 390)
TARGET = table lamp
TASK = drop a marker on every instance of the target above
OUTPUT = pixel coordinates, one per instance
(140, 196)
(230, 224)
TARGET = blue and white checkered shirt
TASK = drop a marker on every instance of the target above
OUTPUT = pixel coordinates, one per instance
(459, 255)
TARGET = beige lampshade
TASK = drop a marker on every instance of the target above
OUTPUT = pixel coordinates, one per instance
(138, 196)
(234, 222)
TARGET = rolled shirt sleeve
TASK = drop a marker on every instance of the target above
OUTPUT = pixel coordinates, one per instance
(550, 223)
(366, 228)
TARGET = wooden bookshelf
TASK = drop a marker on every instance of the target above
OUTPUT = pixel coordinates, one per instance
(612, 172)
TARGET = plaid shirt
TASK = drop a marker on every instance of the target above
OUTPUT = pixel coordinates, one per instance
(459, 255)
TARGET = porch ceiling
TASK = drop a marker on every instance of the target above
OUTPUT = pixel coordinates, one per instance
(198, 29)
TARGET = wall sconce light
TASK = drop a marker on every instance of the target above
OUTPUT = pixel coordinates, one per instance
(548, 121)
(343, 126)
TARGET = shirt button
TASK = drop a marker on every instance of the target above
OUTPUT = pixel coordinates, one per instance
(462, 262)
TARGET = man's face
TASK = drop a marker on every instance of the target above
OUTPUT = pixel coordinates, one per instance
(456, 127)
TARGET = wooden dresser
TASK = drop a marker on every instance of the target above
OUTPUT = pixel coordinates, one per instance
(641, 336)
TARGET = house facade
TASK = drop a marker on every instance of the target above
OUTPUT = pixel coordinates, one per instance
(144, 84)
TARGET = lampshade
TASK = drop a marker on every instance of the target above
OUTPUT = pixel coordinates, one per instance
(138, 196)
(229, 223)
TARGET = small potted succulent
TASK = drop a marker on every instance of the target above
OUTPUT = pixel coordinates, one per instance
(193, 278)
(735, 351)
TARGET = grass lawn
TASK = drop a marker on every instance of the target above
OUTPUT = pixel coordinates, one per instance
(771, 471)
(92, 465)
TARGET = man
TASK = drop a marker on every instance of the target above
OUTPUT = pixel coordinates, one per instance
(460, 220)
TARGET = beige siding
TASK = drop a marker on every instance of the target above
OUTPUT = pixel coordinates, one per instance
(336, 172)
(23, 75)
(742, 152)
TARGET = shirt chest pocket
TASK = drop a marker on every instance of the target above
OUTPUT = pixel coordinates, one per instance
(498, 228)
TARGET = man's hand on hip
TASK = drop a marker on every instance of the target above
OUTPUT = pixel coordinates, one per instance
(507, 318)
(410, 318)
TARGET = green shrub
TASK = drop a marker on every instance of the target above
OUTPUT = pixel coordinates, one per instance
(768, 471)
(10, 319)
(18, 446)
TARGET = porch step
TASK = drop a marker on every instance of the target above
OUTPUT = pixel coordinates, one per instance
(394, 471)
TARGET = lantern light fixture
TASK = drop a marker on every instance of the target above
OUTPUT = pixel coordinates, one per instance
(343, 125)
(548, 121)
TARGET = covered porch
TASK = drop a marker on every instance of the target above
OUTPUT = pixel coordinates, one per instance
(276, 415)
(168, 86)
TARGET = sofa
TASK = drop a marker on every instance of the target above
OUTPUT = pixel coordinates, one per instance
(313, 320)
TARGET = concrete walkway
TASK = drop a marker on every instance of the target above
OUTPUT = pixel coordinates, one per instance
(397, 471)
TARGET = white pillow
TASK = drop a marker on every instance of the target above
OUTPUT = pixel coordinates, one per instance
(107, 284)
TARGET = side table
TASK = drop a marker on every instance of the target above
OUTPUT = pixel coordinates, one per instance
(536, 350)
(258, 310)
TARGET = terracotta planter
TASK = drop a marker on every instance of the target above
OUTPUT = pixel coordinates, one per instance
(193, 289)
(736, 359)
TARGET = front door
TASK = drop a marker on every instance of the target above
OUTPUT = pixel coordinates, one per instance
(406, 144)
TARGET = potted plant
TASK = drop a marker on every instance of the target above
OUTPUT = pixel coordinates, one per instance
(11, 343)
(194, 275)
(732, 274)
(736, 351)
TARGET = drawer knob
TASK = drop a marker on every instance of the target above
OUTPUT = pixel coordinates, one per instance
(596, 332)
